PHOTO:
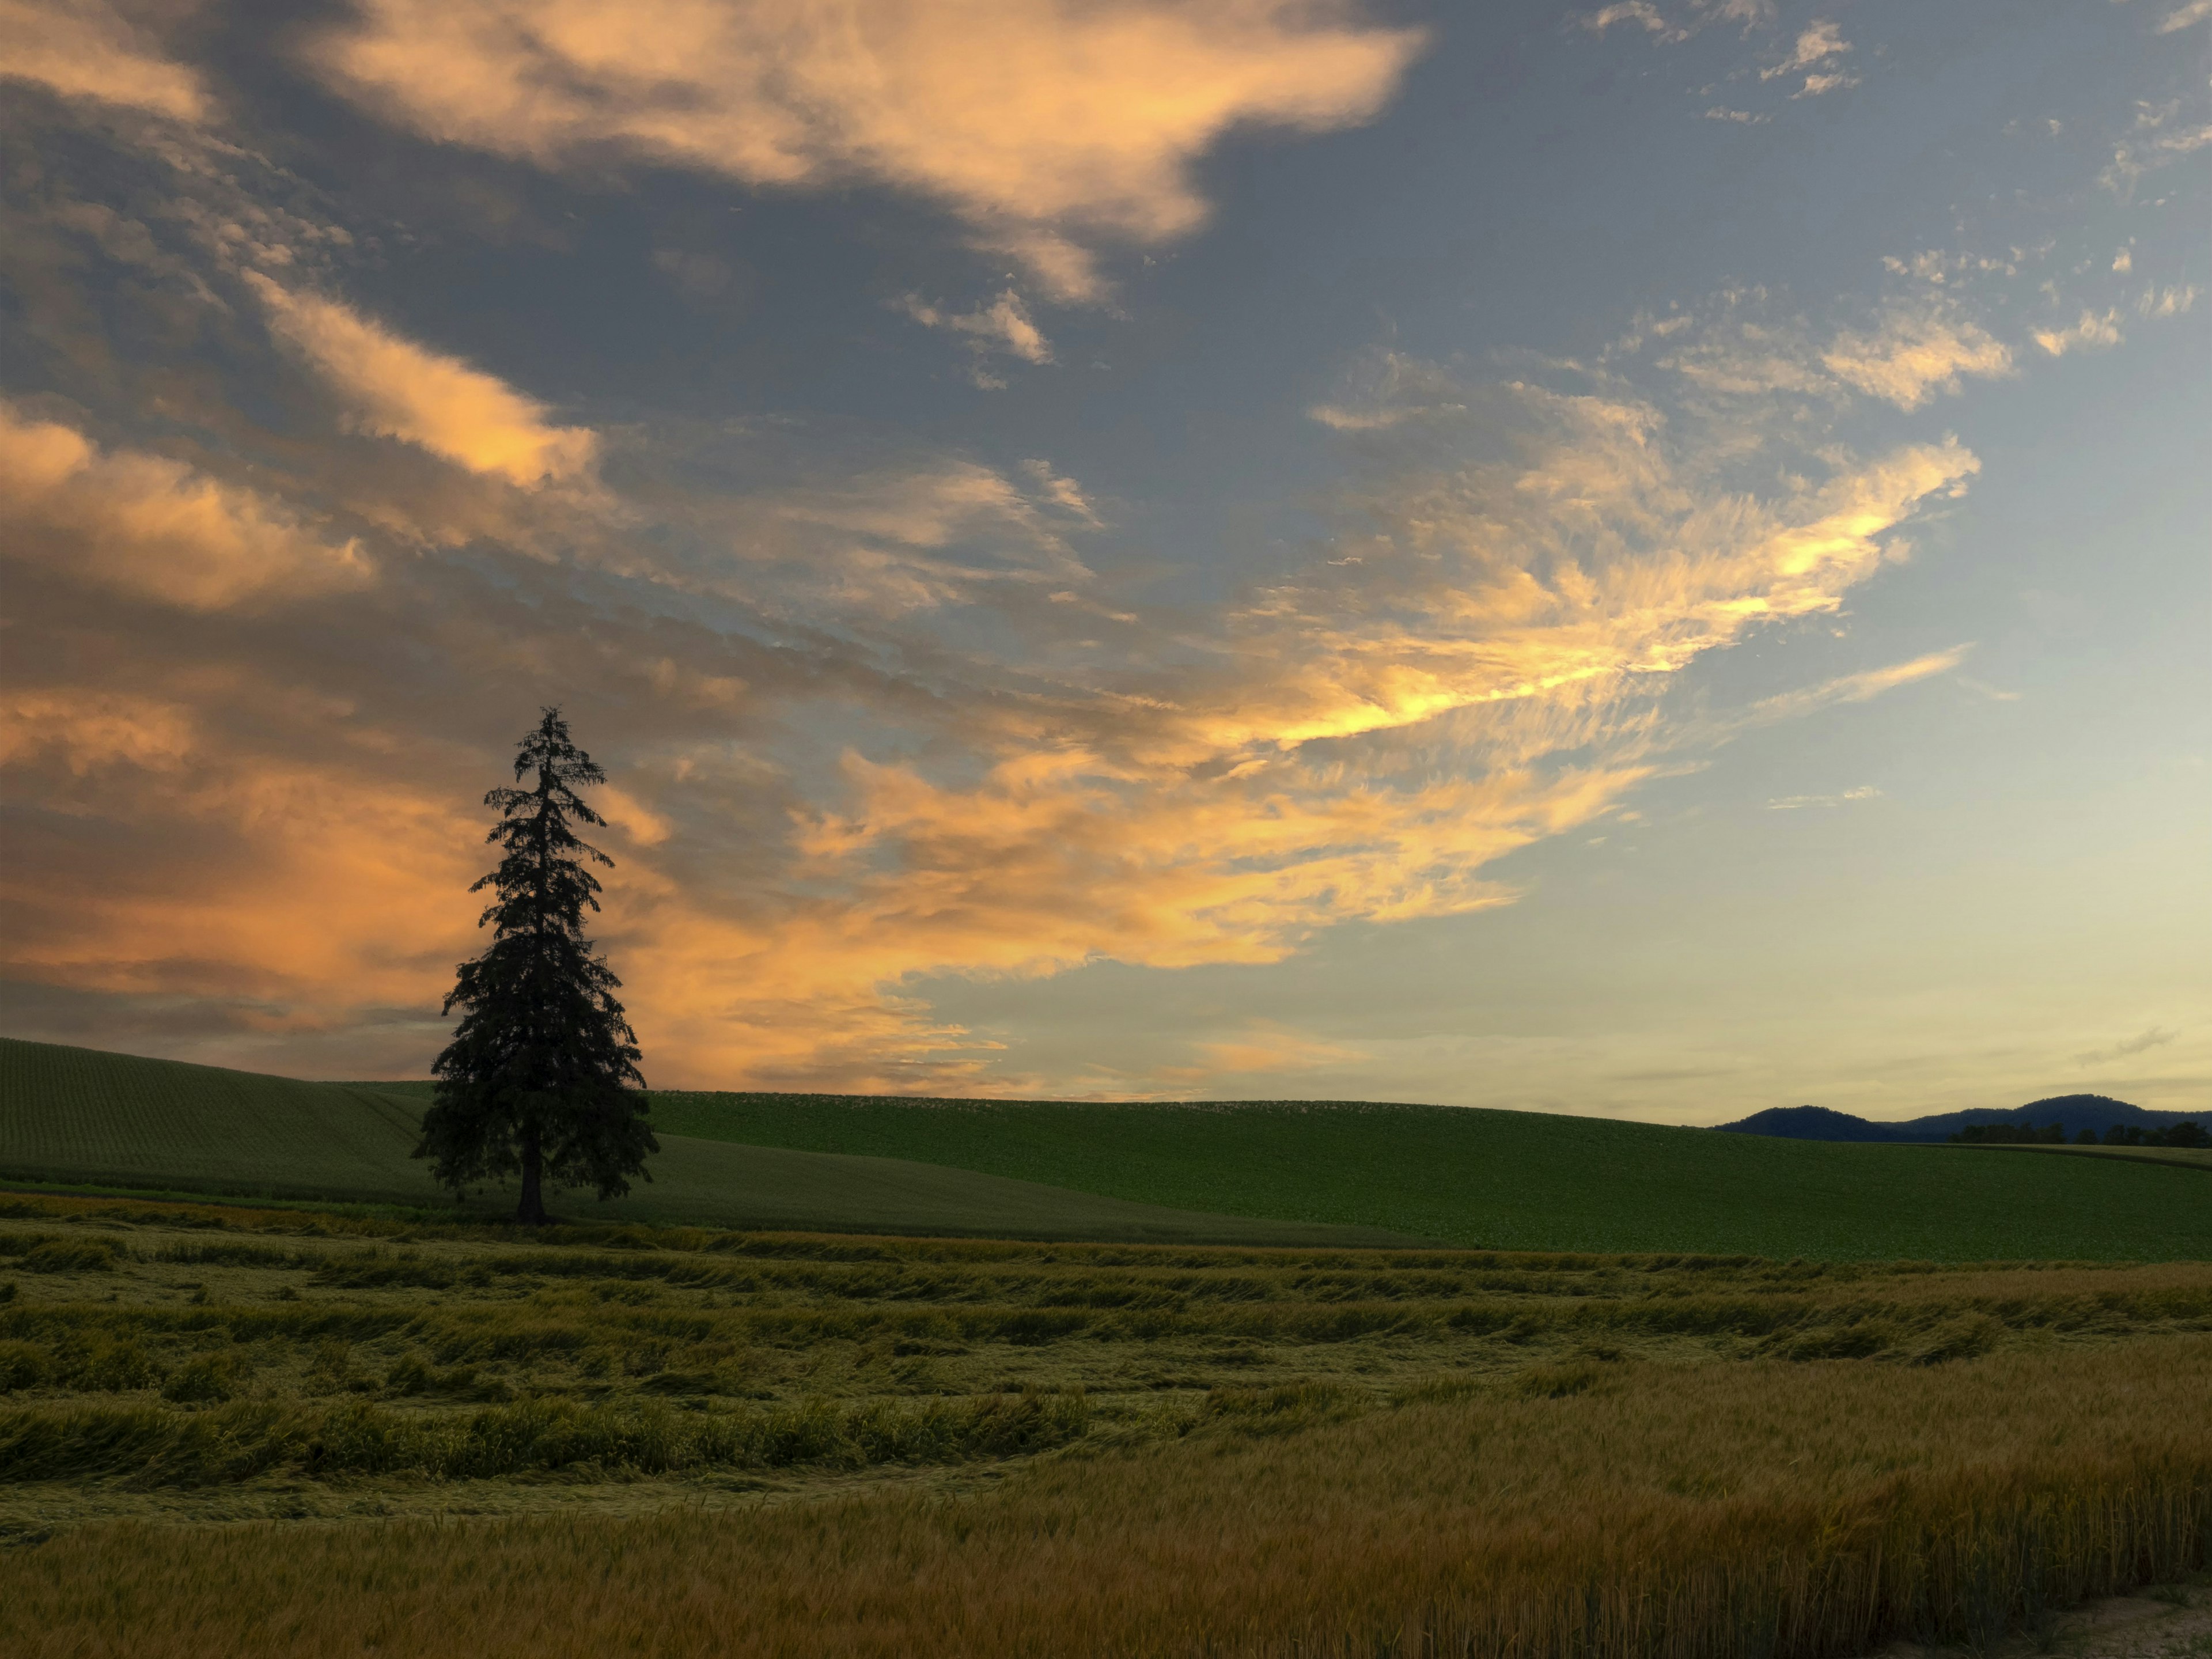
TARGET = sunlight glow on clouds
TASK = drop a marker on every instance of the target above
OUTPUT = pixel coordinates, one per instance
(1213, 642)
(1002, 326)
(155, 528)
(1912, 355)
(397, 389)
(1045, 126)
(82, 49)
(2093, 330)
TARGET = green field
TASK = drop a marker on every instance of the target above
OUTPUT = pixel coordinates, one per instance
(1522, 1180)
(2187, 1158)
(83, 1117)
(1256, 1173)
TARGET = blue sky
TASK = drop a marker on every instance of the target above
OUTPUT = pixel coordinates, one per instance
(1645, 559)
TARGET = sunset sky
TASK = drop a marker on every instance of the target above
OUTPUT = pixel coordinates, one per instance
(1646, 559)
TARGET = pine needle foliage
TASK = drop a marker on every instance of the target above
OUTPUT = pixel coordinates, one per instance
(541, 1078)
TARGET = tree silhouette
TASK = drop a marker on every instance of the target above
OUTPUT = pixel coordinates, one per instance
(534, 1080)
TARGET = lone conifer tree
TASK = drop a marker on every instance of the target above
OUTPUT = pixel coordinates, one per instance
(533, 1079)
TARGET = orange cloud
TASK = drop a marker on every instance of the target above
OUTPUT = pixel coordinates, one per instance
(1914, 354)
(156, 528)
(396, 389)
(1474, 667)
(322, 886)
(1042, 125)
(81, 49)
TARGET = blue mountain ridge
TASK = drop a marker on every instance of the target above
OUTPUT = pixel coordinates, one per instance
(2075, 1112)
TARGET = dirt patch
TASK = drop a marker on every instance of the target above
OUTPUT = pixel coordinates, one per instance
(2170, 1621)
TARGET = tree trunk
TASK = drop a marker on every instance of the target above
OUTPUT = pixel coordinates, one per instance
(530, 1212)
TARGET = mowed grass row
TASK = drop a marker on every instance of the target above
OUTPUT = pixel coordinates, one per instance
(1515, 1179)
(186, 1347)
(1712, 1511)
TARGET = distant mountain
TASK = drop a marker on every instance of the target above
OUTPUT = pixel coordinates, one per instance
(2075, 1112)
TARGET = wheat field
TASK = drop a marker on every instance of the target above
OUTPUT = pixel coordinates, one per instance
(241, 1431)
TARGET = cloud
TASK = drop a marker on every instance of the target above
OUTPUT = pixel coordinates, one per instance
(2158, 138)
(1795, 803)
(1744, 117)
(1269, 1048)
(2141, 1042)
(1862, 687)
(2094, 330)
(1698, 14)
(1818, 43)
(1003, 326)
(1046, 128)
(1913, 355)
(156, 528)
(82, 49)
(1641, 13)
(255, 875)
(1816, 84)
(2166, 302)
(394, 388)
(2182, 16)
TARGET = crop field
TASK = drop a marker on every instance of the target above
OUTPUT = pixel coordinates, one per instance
(2192, 1158)
(1516, 1180)
(229, 1430)
(79, 1116)
(1345, 1174)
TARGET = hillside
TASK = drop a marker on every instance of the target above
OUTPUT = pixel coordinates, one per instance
(1515, 1180)
(2074, 1112)
(1262, 1172)
(86, 1117)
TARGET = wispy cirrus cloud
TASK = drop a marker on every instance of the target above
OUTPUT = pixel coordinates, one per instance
(1916, 352)
(1046, 129)
(2143, 1042)
(391, 386)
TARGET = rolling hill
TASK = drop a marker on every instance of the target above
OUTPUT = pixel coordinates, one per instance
(82, 1116)
(1515, 1180)
(1283, 1172)
(2075, 1113)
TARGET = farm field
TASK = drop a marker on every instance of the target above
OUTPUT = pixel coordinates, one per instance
(1515, 1179)
(79, 1116)
(1264, 1174)
(444, 1440)
(2188, 1157)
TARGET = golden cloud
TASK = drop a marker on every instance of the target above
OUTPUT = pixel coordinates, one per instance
(1042, 124)
(1474, 668)
(82, 49)
(394, 388)
(156, 528)
(1914, 354)
(309, 883)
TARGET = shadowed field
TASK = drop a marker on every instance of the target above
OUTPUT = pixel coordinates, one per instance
(79, 1116)
(1258, 1173)
(619, 1440)
(1517, 1179)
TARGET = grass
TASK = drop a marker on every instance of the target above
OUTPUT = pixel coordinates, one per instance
(1513, 1180)
(1282, 1173)
(617, 1441)
(86, 1118)
(2188, 1157)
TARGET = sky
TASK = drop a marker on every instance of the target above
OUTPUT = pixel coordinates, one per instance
(1645, 558)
